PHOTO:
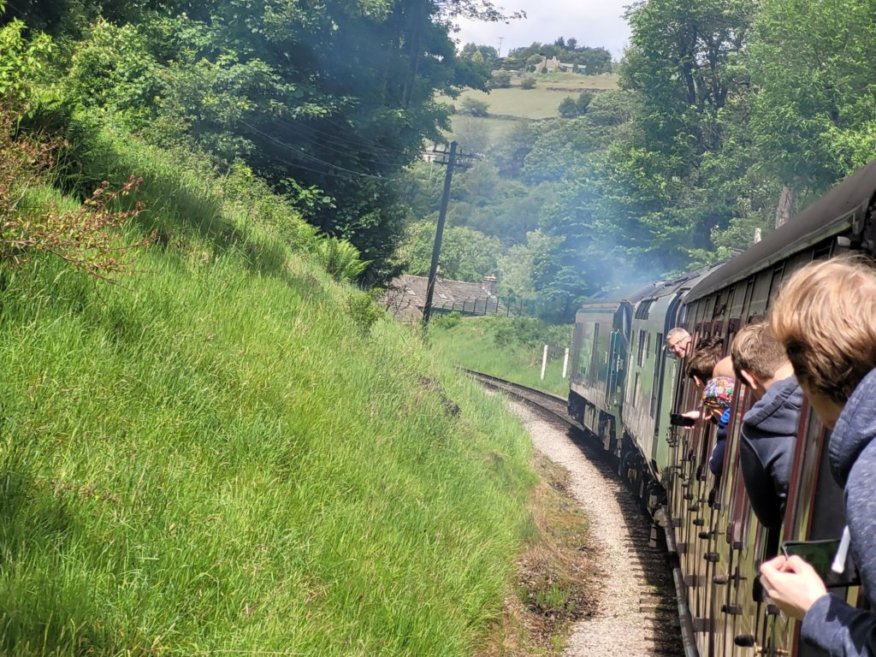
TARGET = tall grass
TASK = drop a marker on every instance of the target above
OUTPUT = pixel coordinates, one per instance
(472, 343)
(210, 457)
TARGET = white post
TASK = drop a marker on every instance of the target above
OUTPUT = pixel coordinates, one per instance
(544, 362)
(565, 362)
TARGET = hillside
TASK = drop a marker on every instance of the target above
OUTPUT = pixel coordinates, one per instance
(226, 451)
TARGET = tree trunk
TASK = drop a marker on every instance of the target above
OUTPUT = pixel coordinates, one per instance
(785, 208)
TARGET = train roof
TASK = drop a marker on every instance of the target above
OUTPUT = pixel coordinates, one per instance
(831, 214)
(651, 291)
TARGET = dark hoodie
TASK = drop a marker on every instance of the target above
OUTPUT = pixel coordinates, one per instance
(769, 431)
(830, 623)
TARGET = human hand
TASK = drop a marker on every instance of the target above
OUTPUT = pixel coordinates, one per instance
(792, 584)
(695, 414)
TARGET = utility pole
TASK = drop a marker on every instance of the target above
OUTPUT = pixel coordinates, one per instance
(452, 161)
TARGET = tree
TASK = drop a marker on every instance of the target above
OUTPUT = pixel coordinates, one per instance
(517, 263)
(528, 83)
(812, 117)
(684, 64)
(466, 254)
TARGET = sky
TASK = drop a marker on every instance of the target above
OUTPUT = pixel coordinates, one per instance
(591, 22)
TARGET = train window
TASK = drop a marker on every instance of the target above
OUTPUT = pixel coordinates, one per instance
(642, 354)
(594, 355)
(644, 309)
(776, 281)
(636, 390)
(817, 499)
(740, 505)
(658, 375)
(822, 252)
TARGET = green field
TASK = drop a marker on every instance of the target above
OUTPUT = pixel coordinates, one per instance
(540, 102)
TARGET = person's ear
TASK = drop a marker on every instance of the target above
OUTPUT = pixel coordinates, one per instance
(750, 379)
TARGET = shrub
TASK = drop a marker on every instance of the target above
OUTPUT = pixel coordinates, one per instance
(568, 108)
(474, 107)
(583, 102)
(22, 63)
(500, 80)
(364, 310)
(527, 83)
(340, 258)
(448, 321)
(81, 236)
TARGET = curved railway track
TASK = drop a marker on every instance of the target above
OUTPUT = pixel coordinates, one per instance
(640, 596)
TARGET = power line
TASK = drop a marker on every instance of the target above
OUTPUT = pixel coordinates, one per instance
(307, 155)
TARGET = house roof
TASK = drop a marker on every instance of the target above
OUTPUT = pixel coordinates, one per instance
(406, 295)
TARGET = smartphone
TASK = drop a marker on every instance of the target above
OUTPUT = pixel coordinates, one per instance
(820, 555)
(679, 420)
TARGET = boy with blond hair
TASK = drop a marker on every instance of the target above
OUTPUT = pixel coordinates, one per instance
(826, 319)
(769, 428)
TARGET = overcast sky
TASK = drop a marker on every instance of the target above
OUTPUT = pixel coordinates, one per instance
(592, 22)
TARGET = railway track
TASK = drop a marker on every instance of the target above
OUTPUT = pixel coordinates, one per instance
(639, 603)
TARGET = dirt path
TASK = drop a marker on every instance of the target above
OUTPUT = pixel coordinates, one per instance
(624, 623)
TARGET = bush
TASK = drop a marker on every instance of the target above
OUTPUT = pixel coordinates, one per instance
(363, 309)
(82, 236)
(340, 258)
(528, 83)
(529, 332)
(500, 80)
(448, 321)
(568, 108)
(473, 107)
(525, 331)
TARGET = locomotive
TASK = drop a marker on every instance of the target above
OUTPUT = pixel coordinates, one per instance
(624, 386)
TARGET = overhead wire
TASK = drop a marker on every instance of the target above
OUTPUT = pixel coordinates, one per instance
(336, 145)
(313, 158)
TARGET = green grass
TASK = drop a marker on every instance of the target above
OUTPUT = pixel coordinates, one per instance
(472, 344)
(540, 102)
(214, 456)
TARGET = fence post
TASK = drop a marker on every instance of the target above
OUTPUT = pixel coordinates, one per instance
(544, 362)
(565, 362)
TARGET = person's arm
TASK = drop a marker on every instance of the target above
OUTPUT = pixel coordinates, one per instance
(828, 622)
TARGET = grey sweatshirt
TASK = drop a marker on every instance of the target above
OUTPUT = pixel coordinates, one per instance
(830, 623)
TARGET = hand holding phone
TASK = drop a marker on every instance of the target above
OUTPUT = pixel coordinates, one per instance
(820, 555)
(679, 420)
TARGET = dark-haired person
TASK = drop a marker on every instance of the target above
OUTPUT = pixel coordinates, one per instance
(826, 319)
(704, 359)
(769, 428)
(700, 367)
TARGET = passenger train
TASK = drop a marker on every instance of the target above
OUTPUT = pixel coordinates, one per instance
(624, 385)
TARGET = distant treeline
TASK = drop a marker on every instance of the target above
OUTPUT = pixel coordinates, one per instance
(584, 59)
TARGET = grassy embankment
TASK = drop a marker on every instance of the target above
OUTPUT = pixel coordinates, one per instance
(511, 349)
(218, 455)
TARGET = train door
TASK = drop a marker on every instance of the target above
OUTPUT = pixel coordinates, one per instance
(815, 510)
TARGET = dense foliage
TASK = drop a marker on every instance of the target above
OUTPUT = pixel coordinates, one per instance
(327, 103)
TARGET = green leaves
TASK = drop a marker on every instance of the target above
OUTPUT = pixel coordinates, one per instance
(22, 63)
